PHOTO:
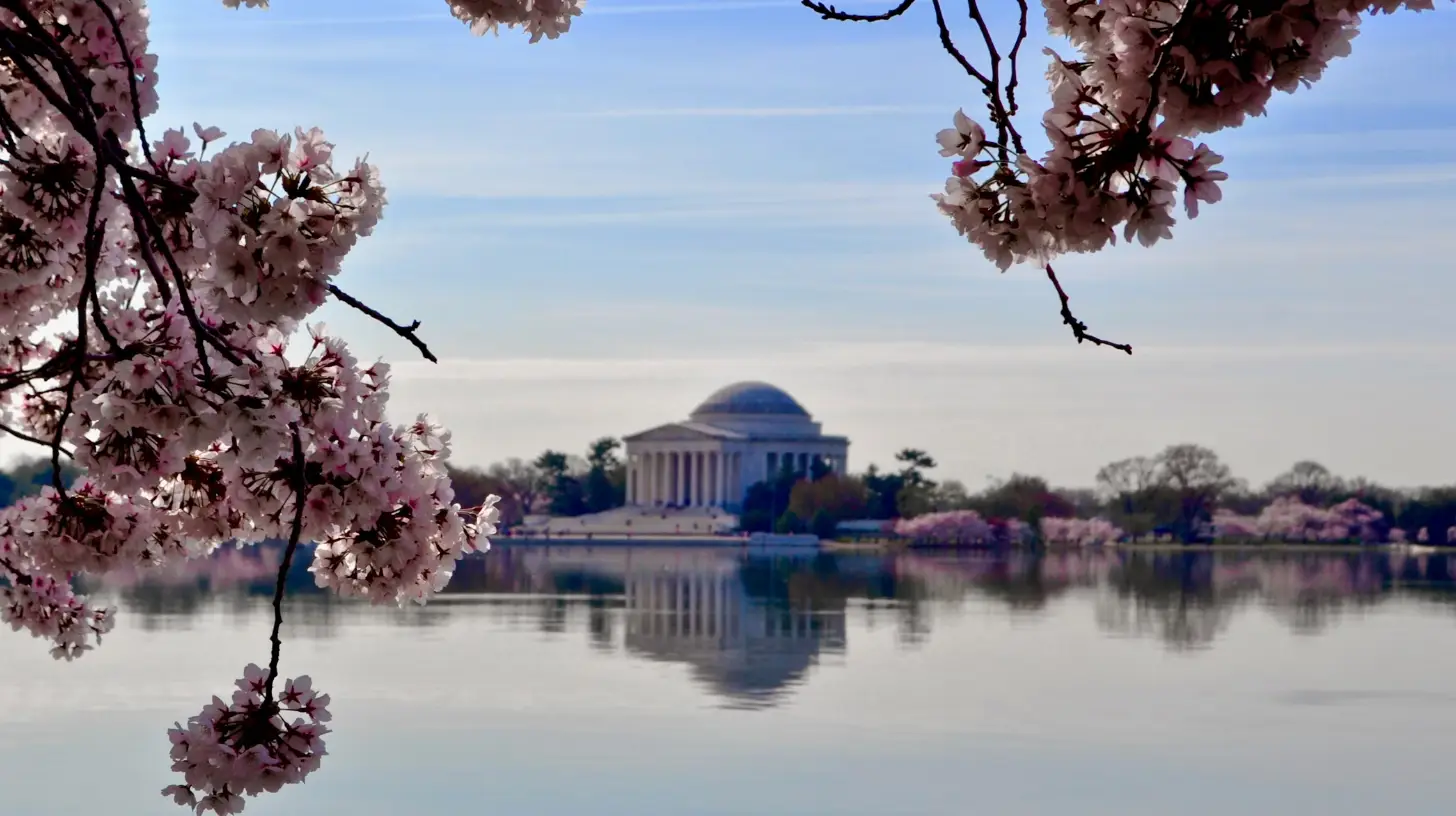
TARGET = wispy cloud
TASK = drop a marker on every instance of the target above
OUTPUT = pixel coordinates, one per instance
(894, 356)
(760, 112)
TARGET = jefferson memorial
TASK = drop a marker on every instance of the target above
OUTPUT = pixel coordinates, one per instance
(741, 434)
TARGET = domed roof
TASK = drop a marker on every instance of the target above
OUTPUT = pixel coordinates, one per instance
(750, 398)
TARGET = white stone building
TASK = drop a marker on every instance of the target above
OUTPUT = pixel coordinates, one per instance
(742, 434)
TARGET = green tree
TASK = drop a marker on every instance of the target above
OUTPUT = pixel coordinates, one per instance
(884, 491)
(824, 525)
(1023, 497)
(841, 497)
(789, 524)
(764, 503)
(606, 479)
(564, 491)
(915, 494)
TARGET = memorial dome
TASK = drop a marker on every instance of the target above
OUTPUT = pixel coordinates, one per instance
(750, 399)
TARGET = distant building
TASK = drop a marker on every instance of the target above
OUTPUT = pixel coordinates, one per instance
(744, 433)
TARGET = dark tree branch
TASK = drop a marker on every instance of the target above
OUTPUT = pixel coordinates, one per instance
(949, 45)
(36, 440)
(299, 479)
(95, 228)
(407, 332)
(1079, 329)
(829, 12)
(1011, 106)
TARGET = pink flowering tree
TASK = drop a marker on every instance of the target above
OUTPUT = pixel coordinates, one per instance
(1289, 519)
(152, 288)
(1146, 78)
(961, 528)
(1079, 532)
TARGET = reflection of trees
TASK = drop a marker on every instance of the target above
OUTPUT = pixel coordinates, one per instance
(1171, 597)
(761, 622)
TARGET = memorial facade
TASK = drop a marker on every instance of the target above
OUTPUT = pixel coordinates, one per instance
(741, 434)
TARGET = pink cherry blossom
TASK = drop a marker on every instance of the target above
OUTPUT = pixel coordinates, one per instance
(1289, 519)
(960, 528)
(1080, 532)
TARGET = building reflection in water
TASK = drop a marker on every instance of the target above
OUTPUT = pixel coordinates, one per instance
(751, 626)
(751, 651)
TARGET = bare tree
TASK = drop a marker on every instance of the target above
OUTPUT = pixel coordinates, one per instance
(1196, 476)
(1310, 481)
(1127, 477)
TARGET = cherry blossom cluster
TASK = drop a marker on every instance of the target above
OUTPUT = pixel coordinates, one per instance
(1289, 519)
(538, 18)
(960, 528)
(1080, 532)
(246, 747)
(152, 291)
(1150, 75)
(47, 608)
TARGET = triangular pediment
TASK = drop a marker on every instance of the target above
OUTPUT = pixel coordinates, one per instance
(683, 432)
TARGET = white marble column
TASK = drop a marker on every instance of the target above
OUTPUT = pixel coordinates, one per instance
(685, 486)
(698, 478)
(657, 477)
(632, 482)
(697, 461)
(674, 465)
(722, 478)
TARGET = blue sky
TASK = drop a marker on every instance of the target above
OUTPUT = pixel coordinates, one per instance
(600, 230)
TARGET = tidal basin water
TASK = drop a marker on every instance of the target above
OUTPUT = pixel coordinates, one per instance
(657, 682)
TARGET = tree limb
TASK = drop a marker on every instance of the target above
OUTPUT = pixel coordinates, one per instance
(1079, 329)
(407, 332)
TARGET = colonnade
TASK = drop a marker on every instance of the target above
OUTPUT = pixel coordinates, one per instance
(685, 478)
(713, 478)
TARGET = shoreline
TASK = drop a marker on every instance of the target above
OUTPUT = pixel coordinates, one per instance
(886, 547)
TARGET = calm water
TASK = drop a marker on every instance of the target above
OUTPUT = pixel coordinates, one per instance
(657, 682)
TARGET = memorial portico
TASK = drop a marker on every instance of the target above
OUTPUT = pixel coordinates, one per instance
(742, 434)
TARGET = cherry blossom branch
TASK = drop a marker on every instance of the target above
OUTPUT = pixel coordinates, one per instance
(407, 332)
(300, 500)
(94, 229)
(1079, 329)
(136, 99)
(109, 152)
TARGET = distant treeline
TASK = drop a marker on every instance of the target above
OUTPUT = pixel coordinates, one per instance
(29, 476)
(554, 482)
(1173, 493)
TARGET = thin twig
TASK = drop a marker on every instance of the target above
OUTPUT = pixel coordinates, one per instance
(829, 12)
(1011, 106)
(950, 47)
(300, 498)
(407, 332)
(1079, 329)
(36, 440)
